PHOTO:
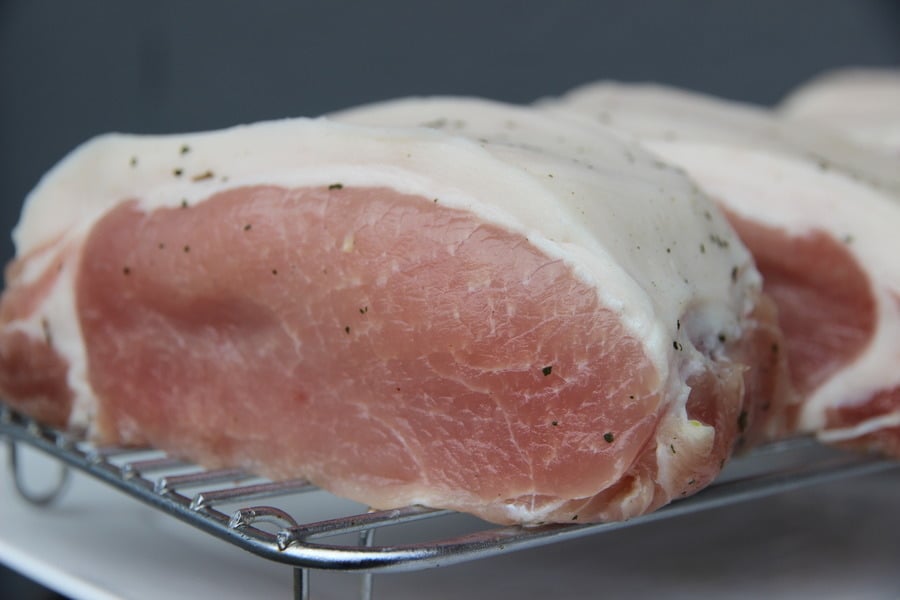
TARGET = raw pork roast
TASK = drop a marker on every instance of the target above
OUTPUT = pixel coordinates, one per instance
(400, 315)
(825, 242)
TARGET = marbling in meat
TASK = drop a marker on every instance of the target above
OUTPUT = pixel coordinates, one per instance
(401, 315)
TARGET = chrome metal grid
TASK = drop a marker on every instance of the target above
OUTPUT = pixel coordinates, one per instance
(196, 496)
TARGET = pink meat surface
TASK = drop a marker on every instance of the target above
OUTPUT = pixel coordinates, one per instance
(825, 304)
(389, 348)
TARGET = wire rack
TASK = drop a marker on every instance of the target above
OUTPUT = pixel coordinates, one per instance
(347, 542)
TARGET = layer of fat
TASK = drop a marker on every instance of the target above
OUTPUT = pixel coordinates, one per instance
(863, 104)
(656, 112)
(799, 197)
(626, 225)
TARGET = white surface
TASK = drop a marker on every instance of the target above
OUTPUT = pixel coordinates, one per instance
(840, 540)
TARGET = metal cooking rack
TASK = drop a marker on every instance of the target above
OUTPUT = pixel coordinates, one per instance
(275, 534)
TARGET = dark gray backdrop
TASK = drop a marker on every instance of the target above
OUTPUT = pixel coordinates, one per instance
(70, 70)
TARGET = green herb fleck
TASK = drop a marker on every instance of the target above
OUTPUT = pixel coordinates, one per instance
(178, 172)
(185, 148)
(133, 161)
(336, 186)
(672, 448)
(718, 240)
(203, 176)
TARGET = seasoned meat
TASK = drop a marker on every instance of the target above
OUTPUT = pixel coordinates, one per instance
(401, 315)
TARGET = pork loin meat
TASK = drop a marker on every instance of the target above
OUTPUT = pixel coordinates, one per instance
(401, 315)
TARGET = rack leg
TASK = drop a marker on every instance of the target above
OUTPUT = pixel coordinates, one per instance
(301, 583)
(366, 538)
(37, 499)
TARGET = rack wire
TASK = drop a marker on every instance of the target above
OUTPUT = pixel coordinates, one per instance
(347, 542)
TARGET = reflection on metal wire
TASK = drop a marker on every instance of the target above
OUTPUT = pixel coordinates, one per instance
(274, 533)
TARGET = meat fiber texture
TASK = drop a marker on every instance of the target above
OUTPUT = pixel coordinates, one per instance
(402, 315)
(825, 241)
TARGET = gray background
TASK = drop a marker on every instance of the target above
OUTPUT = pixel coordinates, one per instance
(71, 70)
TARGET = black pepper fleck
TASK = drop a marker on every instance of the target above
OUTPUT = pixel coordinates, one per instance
(742, 421)
(178, 172)
(609, 437)
(554, 423)
(126, 270)
(347, 329)
(547, 370)
(734, 274)
(187, 248)
(247, 227)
